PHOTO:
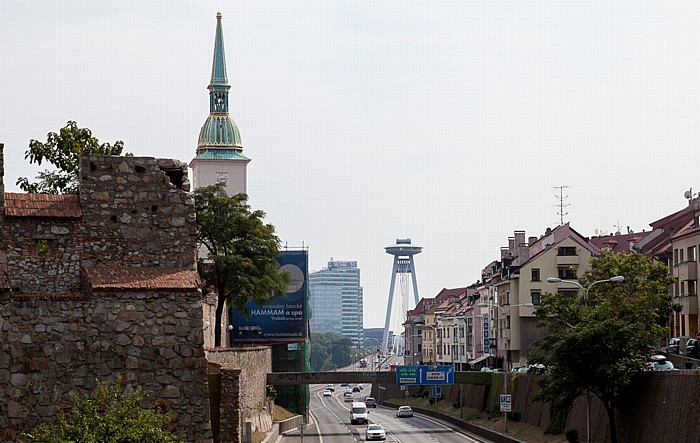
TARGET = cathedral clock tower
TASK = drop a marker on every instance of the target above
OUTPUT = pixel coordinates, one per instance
(219, 148)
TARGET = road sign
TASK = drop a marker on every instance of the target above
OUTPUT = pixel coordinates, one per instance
(505, 402)
(435, 392)
(425, 375)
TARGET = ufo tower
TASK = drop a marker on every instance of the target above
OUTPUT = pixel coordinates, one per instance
(403, 252)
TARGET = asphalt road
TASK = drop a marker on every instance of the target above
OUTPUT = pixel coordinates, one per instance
(330, 423)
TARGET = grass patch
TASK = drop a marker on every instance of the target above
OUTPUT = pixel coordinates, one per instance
(258, 436)
(281, 414)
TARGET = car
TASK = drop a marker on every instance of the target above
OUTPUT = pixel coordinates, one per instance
(349, 398)
(375, 432)
(387, 367)
(361, 386)
(673, 346)
(522, 369)
(404, 411)
(347, 392)
(371, 402)
(692, 348)
(659, 363)
(344, 385)
(330, 387)
(327, 393)
(355, 389)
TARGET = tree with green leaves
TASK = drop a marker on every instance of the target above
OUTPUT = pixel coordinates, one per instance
(597, 348)
(111, 416)
(63, 150)
(329, 351)
(241, 252)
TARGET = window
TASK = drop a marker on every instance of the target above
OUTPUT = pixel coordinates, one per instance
(567, 273)
(535, 274)
(535, 297)
(569, 293)
(680, 256)
(691, 253)
(692, 287)
(675, 257)
(507, 300)
(566, 250)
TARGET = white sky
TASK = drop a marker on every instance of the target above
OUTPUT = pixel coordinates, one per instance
(446, 122)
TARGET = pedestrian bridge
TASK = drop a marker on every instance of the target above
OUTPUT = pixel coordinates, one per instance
(337, 377)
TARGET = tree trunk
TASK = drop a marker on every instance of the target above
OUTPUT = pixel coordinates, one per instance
(610, 409)
(217, 327)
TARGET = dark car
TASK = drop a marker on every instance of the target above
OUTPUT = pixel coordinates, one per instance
(371, 402)
(673, 346)
(692, 348)
(355, 389)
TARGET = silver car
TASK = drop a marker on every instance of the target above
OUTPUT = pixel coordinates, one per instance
(404, 411)
(375, 432)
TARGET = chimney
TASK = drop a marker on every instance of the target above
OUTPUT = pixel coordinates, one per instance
(531, 241)
(511, 245)
(519, 238)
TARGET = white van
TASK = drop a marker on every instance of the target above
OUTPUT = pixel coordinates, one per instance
(359, 412)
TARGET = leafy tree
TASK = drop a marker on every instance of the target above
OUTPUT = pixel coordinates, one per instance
(599, 347)
(329, 351)
(63, 150)
(241, 252)
(110, 417)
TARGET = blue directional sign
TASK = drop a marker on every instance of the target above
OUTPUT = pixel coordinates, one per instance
(425, 375)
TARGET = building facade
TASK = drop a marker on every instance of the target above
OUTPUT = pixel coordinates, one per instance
(336, 301)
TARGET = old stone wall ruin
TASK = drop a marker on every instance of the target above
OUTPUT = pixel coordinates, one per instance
(103, 285)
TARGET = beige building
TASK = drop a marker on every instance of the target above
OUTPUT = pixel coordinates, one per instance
(520, 278)
(685, 268)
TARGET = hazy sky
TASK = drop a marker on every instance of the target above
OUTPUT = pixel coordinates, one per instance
(446, 122)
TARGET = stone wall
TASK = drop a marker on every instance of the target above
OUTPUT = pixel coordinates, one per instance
(50, 348)
(254, 363)
(136, 212)
(116, 292)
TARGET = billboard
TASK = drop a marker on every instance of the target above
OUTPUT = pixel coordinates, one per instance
(285, 317)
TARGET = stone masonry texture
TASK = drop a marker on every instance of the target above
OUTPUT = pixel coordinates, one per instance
(60, 331)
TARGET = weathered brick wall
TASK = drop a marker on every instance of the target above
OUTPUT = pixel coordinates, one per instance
(135, 212)
(50, 348)
(254, 363)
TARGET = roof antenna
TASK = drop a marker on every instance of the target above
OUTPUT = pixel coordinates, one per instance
(561, 197)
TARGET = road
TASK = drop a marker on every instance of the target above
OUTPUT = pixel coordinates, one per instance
(330, 423)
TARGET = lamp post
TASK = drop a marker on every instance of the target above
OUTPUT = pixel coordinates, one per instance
(615, 279)
(506, 312)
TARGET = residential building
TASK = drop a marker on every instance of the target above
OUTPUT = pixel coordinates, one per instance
(336, 301)
(521, 278)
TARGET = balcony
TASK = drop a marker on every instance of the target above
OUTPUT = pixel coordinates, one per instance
(687, 271)
(566, 260)
(689, 303)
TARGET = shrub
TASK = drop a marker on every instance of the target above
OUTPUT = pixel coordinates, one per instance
(571, 435)
(110, 417)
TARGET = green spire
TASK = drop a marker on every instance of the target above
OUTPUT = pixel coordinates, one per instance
(219, 137)
(218, 67)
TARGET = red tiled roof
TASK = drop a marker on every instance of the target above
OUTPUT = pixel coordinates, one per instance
(142, 279)
(42, 205)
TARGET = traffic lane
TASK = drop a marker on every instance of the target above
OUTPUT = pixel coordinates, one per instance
(421, 429)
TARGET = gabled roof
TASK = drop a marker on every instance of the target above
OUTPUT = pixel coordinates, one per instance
(556, 236)
(142, 279)
(43, 205)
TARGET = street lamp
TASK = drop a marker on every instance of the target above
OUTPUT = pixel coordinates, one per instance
(615, 279)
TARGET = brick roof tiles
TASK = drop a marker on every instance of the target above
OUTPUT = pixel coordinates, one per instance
(142, 279)
(42, 205)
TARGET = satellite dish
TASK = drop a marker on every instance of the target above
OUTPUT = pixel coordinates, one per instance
(688, 194)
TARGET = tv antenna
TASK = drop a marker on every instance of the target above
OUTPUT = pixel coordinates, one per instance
(561, 197)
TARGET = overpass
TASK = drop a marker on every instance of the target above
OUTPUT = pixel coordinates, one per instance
(313, 378)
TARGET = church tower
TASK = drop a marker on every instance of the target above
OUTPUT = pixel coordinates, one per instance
(219, 148)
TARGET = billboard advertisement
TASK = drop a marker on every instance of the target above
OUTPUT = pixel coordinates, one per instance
(285, 317)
